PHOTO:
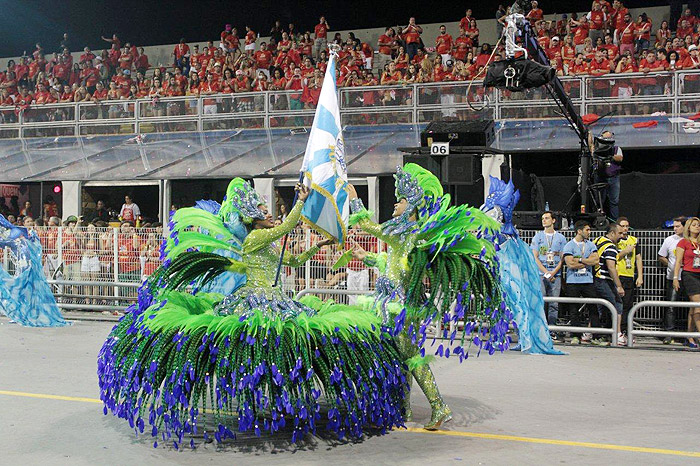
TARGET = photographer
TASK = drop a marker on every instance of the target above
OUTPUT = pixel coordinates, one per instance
(606, 169)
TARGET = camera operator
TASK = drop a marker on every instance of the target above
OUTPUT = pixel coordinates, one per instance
(606, 169)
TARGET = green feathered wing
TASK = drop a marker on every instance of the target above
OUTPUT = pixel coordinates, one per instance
(196, 251)
(454, 261)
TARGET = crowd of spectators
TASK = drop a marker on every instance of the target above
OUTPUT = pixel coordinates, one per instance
(605, 40)
(611, 267)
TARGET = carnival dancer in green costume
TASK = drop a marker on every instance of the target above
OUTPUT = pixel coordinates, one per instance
(431, 242)
(255, 359)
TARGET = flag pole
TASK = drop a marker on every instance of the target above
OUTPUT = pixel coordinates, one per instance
(284, 241)
(334, 48)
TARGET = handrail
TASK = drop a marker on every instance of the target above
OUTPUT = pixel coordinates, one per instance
(631, 332)
(266, 110)
(548, 299)
(306, 291)
(603, 302)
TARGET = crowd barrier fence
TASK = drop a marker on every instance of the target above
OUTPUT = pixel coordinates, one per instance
(631, 94)
(92, 266)
(632, 332)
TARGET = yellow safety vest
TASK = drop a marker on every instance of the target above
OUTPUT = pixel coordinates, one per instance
(626, 265)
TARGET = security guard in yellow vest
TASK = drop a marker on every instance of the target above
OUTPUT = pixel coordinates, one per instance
(629, 260)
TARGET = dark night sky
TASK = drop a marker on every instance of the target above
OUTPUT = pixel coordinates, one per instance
(25, 22)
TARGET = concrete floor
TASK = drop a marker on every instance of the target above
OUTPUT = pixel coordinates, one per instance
(606, 397)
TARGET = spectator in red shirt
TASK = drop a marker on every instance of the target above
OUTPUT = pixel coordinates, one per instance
(483, 58)
(61, 71)
(99, 96)
(464, 22)
(67, 95)
(141, 62)
(685, 29)
(642, 32)
(554, 50)
(535, 14)
(126, 60)
(21, 71)
(597, 20)
(242, 82)
(387, 45)
(598, 67)
(443, 44)
(263, 59)
(462, 46)
(312, 88)
(261, 83)
(89, 76)
(687, 271)
(411, 35)
(401, 61)
(182, 55)
(691, 83)
(613, 51)
(617, 15)
(295, 82)
(568, 50)
(687, 16)
(128, 260)
(651, 85)
(472, 32)
(320, 36)
(250, 38)
(87, 55)
(581, 32)
(391, 76)
(578, 67)
(625, 34)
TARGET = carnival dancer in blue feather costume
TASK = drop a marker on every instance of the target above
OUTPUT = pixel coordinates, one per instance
(519, 273)
(252, 358)
(25, 296)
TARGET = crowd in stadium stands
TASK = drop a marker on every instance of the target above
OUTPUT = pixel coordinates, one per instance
(605, 40)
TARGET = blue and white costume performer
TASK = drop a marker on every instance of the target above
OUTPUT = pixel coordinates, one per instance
(25, 296)
(518, 273)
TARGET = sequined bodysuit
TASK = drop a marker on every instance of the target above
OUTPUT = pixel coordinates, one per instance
(261, 255)
(390, 293)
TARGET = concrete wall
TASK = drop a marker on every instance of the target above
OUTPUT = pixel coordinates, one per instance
(161, 54)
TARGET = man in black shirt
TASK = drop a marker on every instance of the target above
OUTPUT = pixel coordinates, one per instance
(606, 280)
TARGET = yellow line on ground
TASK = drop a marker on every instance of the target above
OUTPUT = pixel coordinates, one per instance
(50, 397)
(546, 441)
(453, 433)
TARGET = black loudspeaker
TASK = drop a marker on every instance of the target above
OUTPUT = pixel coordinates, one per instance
(432, 164)
(454, 169)
(459, 133)
(461, 169)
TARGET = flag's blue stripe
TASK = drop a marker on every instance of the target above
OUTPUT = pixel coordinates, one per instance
(326, 121)
(320, 157)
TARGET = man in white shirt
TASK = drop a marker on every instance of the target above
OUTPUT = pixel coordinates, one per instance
(130, 211)
(667, 258)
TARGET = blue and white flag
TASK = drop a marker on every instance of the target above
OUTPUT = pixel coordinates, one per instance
(324, 168)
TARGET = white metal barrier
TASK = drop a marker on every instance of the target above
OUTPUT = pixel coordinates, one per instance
(597, 301)
(631, 332)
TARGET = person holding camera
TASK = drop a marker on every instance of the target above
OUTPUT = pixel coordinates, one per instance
(607, 167)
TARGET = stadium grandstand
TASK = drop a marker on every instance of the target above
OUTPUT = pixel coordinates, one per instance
(101, 147)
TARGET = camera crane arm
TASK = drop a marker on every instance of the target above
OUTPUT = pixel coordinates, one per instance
(517, 23)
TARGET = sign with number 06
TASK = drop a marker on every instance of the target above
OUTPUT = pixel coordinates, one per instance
(440, 148)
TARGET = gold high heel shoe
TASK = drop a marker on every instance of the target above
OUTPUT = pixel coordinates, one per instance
(440, 416)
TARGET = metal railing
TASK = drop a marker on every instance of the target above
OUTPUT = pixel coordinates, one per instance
(631, 332)
(637, 94)
(597, 301)
(86, 265)
(653, 289)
